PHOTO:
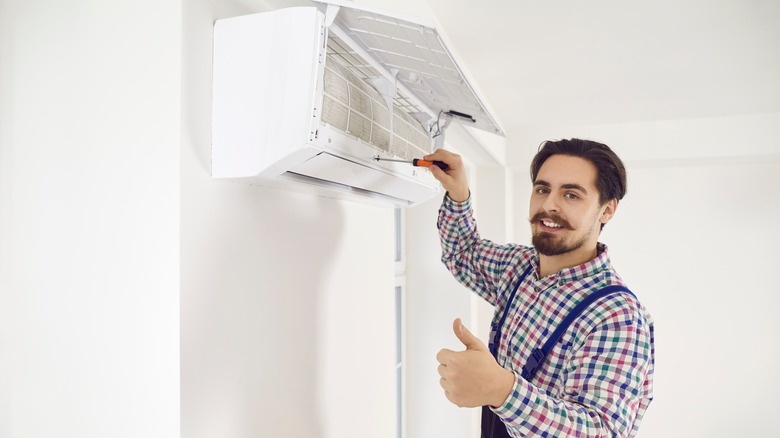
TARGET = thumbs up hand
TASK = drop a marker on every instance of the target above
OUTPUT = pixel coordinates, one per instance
(472, 377)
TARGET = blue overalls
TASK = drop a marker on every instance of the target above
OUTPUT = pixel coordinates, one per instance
(492, 426)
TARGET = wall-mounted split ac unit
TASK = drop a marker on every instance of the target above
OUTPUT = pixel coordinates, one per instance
(310, 96)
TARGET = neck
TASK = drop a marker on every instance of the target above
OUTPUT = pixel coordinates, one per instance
(549, 265)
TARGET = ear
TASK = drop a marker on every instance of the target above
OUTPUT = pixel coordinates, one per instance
(608, 211)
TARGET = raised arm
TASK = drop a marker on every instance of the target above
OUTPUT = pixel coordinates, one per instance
(477, 263)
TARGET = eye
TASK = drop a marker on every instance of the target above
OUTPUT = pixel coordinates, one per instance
(542, 190)
(571, 196)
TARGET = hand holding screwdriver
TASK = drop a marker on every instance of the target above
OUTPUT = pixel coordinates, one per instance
(424, 163)
(453, 177)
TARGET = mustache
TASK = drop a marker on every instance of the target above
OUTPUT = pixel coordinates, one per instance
(552, 217)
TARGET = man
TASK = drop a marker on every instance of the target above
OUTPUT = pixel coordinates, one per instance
(597, 379)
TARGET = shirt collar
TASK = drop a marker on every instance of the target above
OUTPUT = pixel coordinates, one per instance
(585, 270)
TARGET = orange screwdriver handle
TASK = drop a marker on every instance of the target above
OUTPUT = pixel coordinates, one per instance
(423, 163)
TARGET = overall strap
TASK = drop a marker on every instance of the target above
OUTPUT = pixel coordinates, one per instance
(495, 329)
(539, 355)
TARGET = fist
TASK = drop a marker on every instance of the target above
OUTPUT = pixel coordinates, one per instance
(472, 377)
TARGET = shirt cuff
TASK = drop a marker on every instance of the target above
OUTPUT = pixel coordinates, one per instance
(456, 207)
(519, 397)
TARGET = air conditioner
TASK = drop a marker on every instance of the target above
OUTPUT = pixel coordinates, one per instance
(311, 96)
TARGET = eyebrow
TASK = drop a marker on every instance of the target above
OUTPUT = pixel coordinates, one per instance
(544, 183)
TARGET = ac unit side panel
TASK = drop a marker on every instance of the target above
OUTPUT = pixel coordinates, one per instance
(267, 86)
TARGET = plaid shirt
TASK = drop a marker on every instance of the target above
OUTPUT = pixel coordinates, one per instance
(598, 380)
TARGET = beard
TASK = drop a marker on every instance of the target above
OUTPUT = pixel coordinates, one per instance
(549, 244)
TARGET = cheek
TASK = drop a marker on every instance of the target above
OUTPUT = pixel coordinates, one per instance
(594, 218)
(534, 205)
(581, 219)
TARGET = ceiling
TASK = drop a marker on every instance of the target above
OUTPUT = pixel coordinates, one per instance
(574, 62)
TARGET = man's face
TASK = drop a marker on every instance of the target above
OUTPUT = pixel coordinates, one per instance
(565, 214)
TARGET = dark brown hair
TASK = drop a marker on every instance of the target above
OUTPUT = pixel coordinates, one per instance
(611, 173)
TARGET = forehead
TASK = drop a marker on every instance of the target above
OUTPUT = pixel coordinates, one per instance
(566, 169)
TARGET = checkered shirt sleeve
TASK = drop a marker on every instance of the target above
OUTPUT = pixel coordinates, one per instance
(478, 264)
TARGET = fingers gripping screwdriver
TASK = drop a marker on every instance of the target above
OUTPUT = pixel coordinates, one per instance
(418, 162)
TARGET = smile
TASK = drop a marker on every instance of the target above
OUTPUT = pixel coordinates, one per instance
(551, 224)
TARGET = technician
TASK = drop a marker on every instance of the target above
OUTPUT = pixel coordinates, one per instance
(594, 377)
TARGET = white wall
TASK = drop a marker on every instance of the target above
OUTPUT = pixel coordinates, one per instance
(695, 239)
(434, 300)
(702, 263)
(287, 299)
(89, 208)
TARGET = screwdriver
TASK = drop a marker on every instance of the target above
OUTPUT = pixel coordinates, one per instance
(418, 162)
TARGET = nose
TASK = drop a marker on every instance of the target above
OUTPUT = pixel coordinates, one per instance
(550, 204)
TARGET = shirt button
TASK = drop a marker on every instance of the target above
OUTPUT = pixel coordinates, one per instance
(561, 282)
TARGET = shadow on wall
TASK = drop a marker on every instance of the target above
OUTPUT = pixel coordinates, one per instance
(251, 278)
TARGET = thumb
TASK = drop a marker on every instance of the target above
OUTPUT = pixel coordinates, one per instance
(466, 337)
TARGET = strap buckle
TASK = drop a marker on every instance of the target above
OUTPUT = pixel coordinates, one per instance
(534, 362)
